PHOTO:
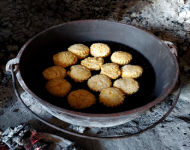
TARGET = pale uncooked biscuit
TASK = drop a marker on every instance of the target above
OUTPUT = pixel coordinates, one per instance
(111, 97)
(79, 73)
(81, 99)
(93, 63)
(100, 50)
(54, 72)
(121, 58)
(131, 71)
(80, 50)
(127, 85)
(111, 70)
(58, 87)
(99, 82)
(65, 59)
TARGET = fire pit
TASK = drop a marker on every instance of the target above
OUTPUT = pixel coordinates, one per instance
(24, 137)
(145, 45)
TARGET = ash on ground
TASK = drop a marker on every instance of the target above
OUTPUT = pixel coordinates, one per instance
(16, 138)
(24, 137)
(137, 125)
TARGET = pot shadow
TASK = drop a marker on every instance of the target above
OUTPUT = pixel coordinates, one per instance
(85, 144)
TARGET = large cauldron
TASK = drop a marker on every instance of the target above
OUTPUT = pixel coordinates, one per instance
(36, 55)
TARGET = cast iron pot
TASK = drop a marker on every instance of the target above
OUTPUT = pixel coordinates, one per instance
(36, 55)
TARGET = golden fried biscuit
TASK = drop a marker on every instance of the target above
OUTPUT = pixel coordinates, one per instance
(79, 73)
(131, 71)
(80, 99)
(80, 50)
(99, 82)
(58, 87)
(127, 85)
(100, 50)
(54, 72)
(93, 63)
(65, 59)
(121, 58)
(111, 70)
(111, 97)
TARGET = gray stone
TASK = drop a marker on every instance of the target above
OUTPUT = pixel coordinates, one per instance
(127, 19)
(35, 18)
(187, 25)
(2, 55)
(188, 14)
(3, 3)
(12, 47)
(182, 16)
(48, 13)
(185, 60)
(27, 24)
(134, 22)
(11, 56)
(38, 23)
(183, 47)
(50, 1)
(5, 19)
(133, 14)
(5, 32)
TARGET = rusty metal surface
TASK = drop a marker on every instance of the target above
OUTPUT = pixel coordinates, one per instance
(151, 46)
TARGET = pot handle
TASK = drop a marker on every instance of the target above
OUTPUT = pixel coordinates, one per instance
(88, 136)
(11, 62)
(172, 47)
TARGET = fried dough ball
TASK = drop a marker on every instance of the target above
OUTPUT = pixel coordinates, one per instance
(80, 50)
(131, 71)
(81, 99)
(79, 73)
(111, 70)
(65, 59)
(58, 87)
(127, 85)
(121, 58)
(54, 72)
(100, 50)
(93, 63)
(99, 82)
(111, 97)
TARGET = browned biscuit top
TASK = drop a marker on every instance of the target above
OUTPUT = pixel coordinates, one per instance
(99, 82)
(80, 50)
(93, 63)
(131, 71)
(111, 70)
(54, 72)
(111, 97)
(81, 99)
(65, 59)
(79, 73)
(121, 58)
(127, 85)
(58, 87)
(100, 50)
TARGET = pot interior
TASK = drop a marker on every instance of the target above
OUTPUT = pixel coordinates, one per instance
(147, 51)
